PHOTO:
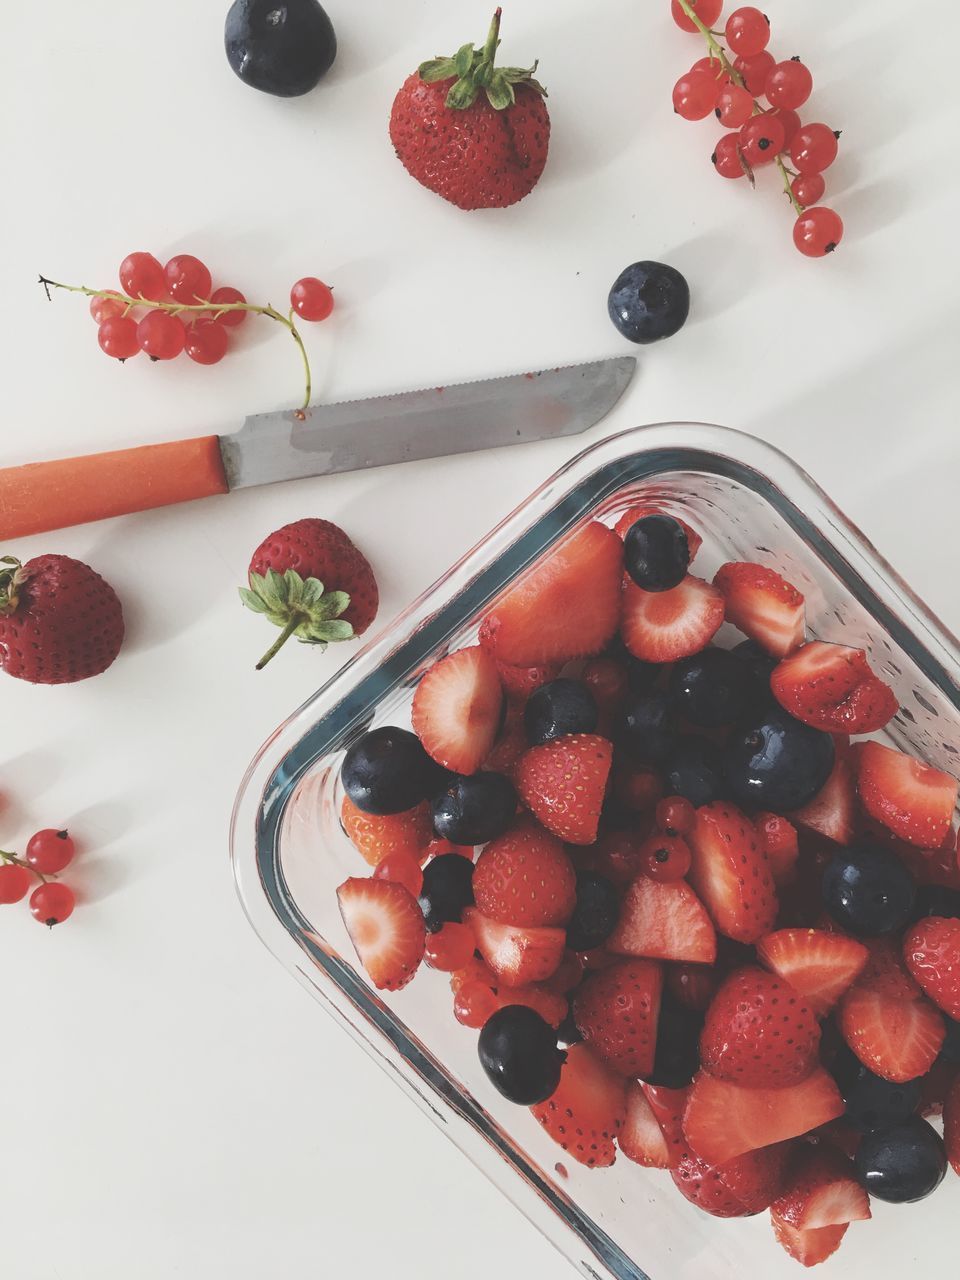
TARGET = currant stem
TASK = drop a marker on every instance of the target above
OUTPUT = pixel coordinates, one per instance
(787, 188)
(19, 862)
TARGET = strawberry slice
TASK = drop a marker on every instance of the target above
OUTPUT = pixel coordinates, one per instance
(833, 810)
(669, 1105)
(931, 951)
(896, 1039)
(378, 836)
(641, 1138)
(763, 605)
(951, 1125)
(519, 682)
(563, 784)
(724, 1120)
(822, 1191)
(914, 800)
(566, 607)
(517, 954)
(832, 687)
(386, 928)
(587, 1111)
(759, 1032)
(510, 746)
(639, 510)
(737, 1189)
(457, 709)
(525, 877)
(662, 626)
(808, 1247)
(820, 965)
(886, 972)
(616, 1011)
(778, 840)
(731, 874)
(664, 921)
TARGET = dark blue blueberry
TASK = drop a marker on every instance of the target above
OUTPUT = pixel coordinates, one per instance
(656, 552)
(646, 727)
(711, 689)
(868, 890)
(388, 771)
(476, 809)
(951, 1044)
(519, 1052)
(902, 1164)
(447, 889)
(870, 1101)
(558, 708)
(774, 762)
(936, 900)
(283, 49)
(649, 301)
(694, 769)
(760, 666)
(595, 914)
(677, 1057)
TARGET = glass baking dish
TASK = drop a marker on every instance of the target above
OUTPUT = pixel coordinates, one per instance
(289, 853)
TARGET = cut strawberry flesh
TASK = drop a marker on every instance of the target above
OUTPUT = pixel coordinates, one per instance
(833, 810)
(517, 954)
(731, 874)
(641, 1138)
(386, 928)
(457, 709)
(832, 687)
(951, 1125)
(763, 605)
(739, 1188)
(896, 1039)
(664, 921)
(820, 965)
(914, 800)
(822, 1190)
(662, 626)
(808, 1247)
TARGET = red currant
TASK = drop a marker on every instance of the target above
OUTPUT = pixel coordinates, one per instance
(401, 869)
(161, 335)
(754, 71)
(814, 148)
(311, 299)
(808, 188)
(748, 31)
(474, 1004)
(450, 948)
(693, 984)
(638, 789)
(675, 816)
(230, 318)
(607, 680)
(790, 121)
(106, 306)
(789, 84)
(761, 140)
(708, 11)
(817, 231)
(726, 157)
(15, 882)
(141, 276)
(52, 903)
(665, 858)
(206, 342)
(715, 68)
(188, 279)
(695, 95)
(734, 106)
(118, 337)
(49, 851)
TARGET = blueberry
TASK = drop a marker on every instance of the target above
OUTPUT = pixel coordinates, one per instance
(872, 1102)
(283, 49)
(904, 1163)
(868, 890)
(646, 726)
(775, 762)
(595, 914)
(951, 1044)
(712, 688)
(694, 769)
(447, 889)
(656, 552)
(936, 900)
(677, 1057)
(476, 809)
(760, 667)
(519, 1052)
(558, 708)
(388, 771)
(649, 301)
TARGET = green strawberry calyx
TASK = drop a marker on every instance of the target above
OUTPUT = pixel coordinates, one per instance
(473, 69)
(11, 579)
(299, 606)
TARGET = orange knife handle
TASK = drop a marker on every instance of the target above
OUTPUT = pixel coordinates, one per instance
(52, 495)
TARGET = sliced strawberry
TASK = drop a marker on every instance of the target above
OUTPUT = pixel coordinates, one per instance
(515, 953)
(931, 951)
(641, 1138)
(525, 877)
(616, 1011)
(737, 1189)
(929, 866)
(641, 509)
(566, 607)
(587, 1111)
(664, 921)
(820, 965)
(951, 1125)
(551, 1006)
(832, 687)
(511, 745)
(759, 1032)
(669, 1105)
(563, 784)
(822, 1191)
(886, 972)
(731, 874)
(386, 928)
(378, 836)
(936, 1085)
(662, 626)
(519, 682)
(808, 1247)
(896, 1039)
(915, 801)
(833, 810)
(457, 709)
(762, 605)
(778, 840)
(723, 1120)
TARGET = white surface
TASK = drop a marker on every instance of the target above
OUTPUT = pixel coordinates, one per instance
(175, 1104)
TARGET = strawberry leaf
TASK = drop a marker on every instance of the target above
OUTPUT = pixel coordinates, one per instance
(463, 94)
(437, 69)
(463, 59)
(500, 92)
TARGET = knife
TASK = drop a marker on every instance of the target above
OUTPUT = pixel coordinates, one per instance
(349, 436)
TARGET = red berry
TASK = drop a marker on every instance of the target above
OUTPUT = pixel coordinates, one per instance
(311, 299)
(790, 121)
(141, 276)
(638, 789)
(726, 157)
(15, 882)
(817, 231)
(474, 1004)
(748, 31)
(665, 858)
(52, 903)
(188, 279)
(676, 816)
(695, 95)
(808, 188)
(789, 84)
(106, 306)
(715, 67)
(49, 851)
(230, 318)
(401, 868)
(161, 335)
(450, 948)
(708, 11)
(754, 71)
(607, 680)
(734, 106)
(118, 337)
(761, 140)
(206, 342)
(814, 148)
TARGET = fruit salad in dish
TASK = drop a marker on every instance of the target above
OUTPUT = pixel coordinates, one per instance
(700, 915)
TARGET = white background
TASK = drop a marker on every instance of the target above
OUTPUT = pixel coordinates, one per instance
(173, 1103)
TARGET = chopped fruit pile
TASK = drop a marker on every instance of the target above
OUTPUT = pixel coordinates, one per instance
(692, 920)
(48, 852)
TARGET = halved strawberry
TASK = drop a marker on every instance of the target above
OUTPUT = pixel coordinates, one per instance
(820, 965)
(641, 509)
(731, 873)
(587, 1111)
(832, 687)
(929, 866)
(910, 797)
(525, 877)
(896, 1039)
(662, 626)
(457, 709)
(664, 921)
(778, 840)
(763, 605)
(759, 1032)
(886, 972)
(641, 1138)
(519, 682)
(808, 1247)
(668, 1106)
(931, 951)
(936, 1085)
(738, 1188)
(378, 835)
(563, 783)
(566, 607)
(616, 1011)
(822, 1190)
(515, 953)
(510, 746)
(386, 928)
(951, 1125)
(723, 1120)
(833, 810)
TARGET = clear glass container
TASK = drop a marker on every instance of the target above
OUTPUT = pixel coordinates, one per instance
(289, 853)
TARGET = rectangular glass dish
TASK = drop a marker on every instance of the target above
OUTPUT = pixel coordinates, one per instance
(749, 502)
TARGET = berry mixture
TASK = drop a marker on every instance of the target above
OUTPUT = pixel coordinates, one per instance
(699, 918)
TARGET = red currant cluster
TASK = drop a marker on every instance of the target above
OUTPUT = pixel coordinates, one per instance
(48, 852)
(762, 133)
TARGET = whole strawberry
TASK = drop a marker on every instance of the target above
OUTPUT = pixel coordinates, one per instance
(474, 133)
(59, 620)
(310, 580)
